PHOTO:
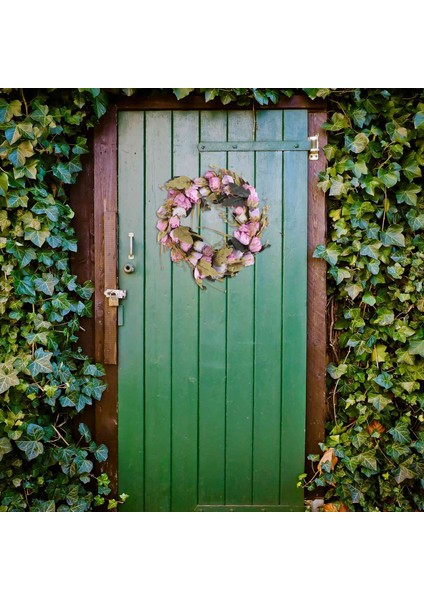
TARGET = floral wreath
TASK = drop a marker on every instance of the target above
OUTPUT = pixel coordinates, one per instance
(220, 187)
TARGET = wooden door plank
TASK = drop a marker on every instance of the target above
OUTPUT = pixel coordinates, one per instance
(212, 343)
(268, 288)
(294, 310)
(131, 333)
(184, 334)
(158, 302)
(240, 333)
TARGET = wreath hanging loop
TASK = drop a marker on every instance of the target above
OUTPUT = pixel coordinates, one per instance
(225, 189)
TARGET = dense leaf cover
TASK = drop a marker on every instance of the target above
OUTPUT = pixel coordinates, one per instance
(45, 380)
(373, 454)
(375, 254)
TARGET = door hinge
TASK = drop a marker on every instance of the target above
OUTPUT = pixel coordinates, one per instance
(114, 296)
(314, 149)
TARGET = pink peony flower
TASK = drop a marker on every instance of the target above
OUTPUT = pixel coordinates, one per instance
(195, 257)
(174, 222)
(248, 259)
(253, 228)
(210, 174)
(240, 214)
(198, 246)
(197, 275)
(254, 214)
(204, 191)
(162, 225)
(242, 234)
(220, 268)
(255, 245)
(193, 194)
(179, 212)
(207, 250)
(183, 201)
(215, 184)
(165, 240)
(162, 212)
(185, 246)
(227, 179)
(235, 255)
(253, 200)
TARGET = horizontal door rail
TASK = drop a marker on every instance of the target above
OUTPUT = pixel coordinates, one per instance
(282, 146)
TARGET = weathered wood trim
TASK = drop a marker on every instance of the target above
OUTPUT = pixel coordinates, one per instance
(105, 276)
(317, 298)
(197, 102)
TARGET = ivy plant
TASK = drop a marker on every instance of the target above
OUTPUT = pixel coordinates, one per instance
(45, 380)
(375, 256)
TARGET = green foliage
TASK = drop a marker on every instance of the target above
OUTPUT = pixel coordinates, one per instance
(45, 380)
(375, 253)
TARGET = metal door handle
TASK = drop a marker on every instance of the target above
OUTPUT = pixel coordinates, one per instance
(131, 254)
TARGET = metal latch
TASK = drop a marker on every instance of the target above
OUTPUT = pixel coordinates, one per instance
(114, 296)
(314, 149)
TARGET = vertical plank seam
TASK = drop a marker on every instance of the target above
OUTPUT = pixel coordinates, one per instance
(144, 302)
(171, 374)
(226, 345)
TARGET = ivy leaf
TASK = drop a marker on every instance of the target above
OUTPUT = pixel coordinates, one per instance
(384, 380)
(35, 432)
(368, 460)
(355, 493)
(336, 372)
(353, 290)
(41, 362)
(182, 92)
(415, 220)
(96, 370)
(25, 286)
(330, 253)
(379, 401)
(5, 446)
(400, 433)
(338, 186)
(419, 119)
(46, 283)
(101, 453)
(84, 431)
(358, 144)
(9, 110)
(31, 448)
(37, 237)
(393, 236)
(19, 155)
(411, 167)
(62, 172)
(4, 184)
(416, 347)
(403, 471)
(408, 194)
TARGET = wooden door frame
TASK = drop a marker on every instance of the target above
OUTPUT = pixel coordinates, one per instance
(94, 199)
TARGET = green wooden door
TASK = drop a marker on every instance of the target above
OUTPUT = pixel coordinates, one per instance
(212, 383)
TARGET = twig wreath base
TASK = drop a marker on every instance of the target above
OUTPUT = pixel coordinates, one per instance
(225, 189)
